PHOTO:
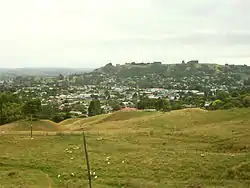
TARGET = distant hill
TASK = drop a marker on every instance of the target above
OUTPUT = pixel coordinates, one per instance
(173, 70)
(185, 75)
(41, 71)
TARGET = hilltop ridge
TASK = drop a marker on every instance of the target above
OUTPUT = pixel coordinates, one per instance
(157, 74)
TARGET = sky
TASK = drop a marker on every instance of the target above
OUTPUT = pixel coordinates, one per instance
(92, 33)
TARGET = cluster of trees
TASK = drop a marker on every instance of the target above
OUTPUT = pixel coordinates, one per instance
(94, 108)
(52, 112)
(218, 100)
(234, 99)
(158, 104)
(10, 108)
(13, 108)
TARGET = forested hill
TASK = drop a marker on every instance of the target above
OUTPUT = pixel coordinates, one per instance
(190, 75)
(175, 70)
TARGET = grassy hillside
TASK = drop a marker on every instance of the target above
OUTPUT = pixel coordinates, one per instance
(125, 115)
(187, 148)
(78, 124)
(69, 121)
(40, 125)
(120, 116)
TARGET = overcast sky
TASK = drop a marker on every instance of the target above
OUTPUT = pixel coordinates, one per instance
(91, 33)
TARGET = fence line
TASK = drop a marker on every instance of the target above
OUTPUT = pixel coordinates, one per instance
(41, 133)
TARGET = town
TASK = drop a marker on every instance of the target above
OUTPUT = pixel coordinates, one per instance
(133, 86)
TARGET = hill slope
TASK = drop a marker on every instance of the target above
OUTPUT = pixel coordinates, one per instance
(41, 125)
(119, 116)
(187, 148)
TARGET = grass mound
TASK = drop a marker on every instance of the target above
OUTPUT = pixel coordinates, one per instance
(78, 124)
(125, 115)
(69, 121)
(94, 123)
(39, 125)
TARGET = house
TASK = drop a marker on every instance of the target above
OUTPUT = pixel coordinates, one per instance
(76, 113)
(153, 97)
(207, 104)
(150, 110)
(171, 97)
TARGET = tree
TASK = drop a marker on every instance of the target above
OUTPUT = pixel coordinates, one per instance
(60, 77)
(217, 104)
(115, 105)
(141, 105)
(32, 107)
(94, 108)
(200, 102)
(10, 108)
(246, 101)
(237, 103)
(167, 106)
(107, 95)
(176, 105)
(80, 107)
(222, 95)
(235, 93)
(135, 97)
(11, 112)
(58, 118)
(159, 104)
(47, 112)
(247, 82)
(228, 105)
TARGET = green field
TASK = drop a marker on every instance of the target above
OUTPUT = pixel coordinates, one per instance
(188, 148)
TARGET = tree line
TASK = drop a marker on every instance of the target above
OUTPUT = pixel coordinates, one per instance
(210, 101)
